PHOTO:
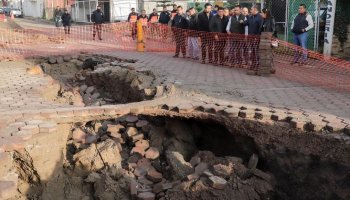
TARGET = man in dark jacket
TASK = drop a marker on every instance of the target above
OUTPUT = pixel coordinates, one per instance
(255, 23)
(203, 26)
(193, 48)
(153, 17)
(132, 18)
(217, 25)
(66, 21)
(180, 24)
(164, 16)
(301, 24)
(235, 28)
(97, 18)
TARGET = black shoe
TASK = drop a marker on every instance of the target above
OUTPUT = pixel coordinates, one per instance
(176, 56)
(293, 62)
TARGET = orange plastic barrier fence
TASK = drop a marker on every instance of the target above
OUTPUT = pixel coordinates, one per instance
(220, 49)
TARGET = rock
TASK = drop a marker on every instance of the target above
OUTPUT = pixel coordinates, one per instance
(191, 177)
(206, 156)
(139, 150)
(134, 158)
(217, 182)
(79, 135)
(195, 160)
(142, 143)
(178, 165)
(110, 153)
(115, 129)
(146, 196)
(131, 119)
(157, 136)
(95, 96)
(131, 131)
(208, 173)
(97, 126)
(143, 162)
(152, 153)
(35, 70)
(52, 60)
(67, 58)
(83, 88)
(137, 137)
(86, 161)
(253, 161)
(140, 171)
(184, 148)
(144, 181)
(200, 168)
(90, 90)
(141, 123)
(8, 189)
(154, 176)
(223, 170)
(60, 60)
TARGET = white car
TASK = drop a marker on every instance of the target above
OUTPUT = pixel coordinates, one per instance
(17, 12)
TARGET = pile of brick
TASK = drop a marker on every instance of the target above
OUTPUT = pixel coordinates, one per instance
(265, 55)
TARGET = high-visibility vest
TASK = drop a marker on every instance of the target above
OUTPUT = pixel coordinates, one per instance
(133, 18)
(154, 19)
(144, 21)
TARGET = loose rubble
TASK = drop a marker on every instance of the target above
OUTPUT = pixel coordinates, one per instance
(95, 80)
(149, 167)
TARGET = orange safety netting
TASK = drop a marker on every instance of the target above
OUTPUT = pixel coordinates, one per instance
(220, 49)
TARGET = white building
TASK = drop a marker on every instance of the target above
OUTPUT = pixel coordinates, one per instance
(33, 8)
(115, 10)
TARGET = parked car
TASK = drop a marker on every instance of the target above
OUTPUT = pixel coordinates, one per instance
(7, 10)
(17, 12)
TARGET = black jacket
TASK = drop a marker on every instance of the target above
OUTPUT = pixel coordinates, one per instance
(132, 14)
(203, 21)
(66, 19)
(151, 15)
(255, 23)
(97, 17)
(269, 26)
(164, 17)
(217, 24)
(193, 22)
(236, 26)
(180, 21)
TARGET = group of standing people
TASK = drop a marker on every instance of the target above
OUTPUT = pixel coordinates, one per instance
(225, 35)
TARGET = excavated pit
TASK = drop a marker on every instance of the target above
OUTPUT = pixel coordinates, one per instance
(160, 157)
(95, 80)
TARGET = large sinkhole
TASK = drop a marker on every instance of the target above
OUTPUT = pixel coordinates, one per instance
(160, 157)
(95, 80)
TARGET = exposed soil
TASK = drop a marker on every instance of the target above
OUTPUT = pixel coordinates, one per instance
(175, 158)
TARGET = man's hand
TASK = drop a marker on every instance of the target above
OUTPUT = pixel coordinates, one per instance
(228, 32)
(216, 37)
(303, 30)
(241, 21)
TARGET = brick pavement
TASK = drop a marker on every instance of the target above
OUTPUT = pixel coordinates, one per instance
(234, 84)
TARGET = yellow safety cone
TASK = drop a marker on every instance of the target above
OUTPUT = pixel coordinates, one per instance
(140, 45)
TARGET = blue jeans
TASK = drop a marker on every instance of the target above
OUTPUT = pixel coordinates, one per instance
(300, 40)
